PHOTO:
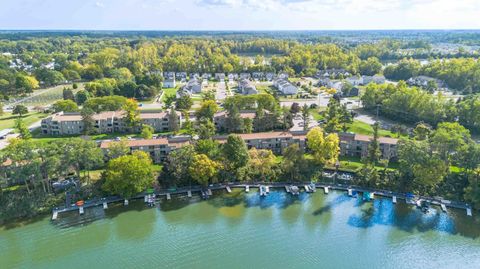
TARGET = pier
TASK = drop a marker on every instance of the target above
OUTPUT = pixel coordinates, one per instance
(228, 189)
(350, 192)
(267, 189)
(80, 210)
(294, 190)
(307, 189)
(169, 197)
(444, 208)
(409, 198)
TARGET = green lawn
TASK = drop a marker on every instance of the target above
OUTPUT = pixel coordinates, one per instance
(360, 127)
(168, 92)
(7, 120)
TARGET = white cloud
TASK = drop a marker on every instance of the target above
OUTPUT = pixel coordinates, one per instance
(99, 4)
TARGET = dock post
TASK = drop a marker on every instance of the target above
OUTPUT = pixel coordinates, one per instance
(189, 193)
(125, 202)
(105, 205)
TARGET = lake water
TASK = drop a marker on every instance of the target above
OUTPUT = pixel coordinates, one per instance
(241, 230)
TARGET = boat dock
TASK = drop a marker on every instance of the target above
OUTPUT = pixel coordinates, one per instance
(294, 190)
(81, 210)
(307, 188)
(267, 189)
(409, 198)
(350, 192)
(169, 197)
(372, 195)
(469, 211)
(228, 189)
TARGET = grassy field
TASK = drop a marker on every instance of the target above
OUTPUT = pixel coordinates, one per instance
(360, 127)
(7, 120)
(47, 96)
(168, 92)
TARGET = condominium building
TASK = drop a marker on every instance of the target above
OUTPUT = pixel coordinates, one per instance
(105, 122)
(356, 145)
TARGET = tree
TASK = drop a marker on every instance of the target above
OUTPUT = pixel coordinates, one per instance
(207, 110)
(294, 108)
(293, 162)
(26, 84)
(422, 131)
(128, 175)
(208, 95)
(234, 122)
(81, 97)
(147, 132)
(88, 121)
(65, 106)
(173, 121)
(205, 129)
(370, 67)
(472, 191)
(176, 167)
(324, 149)
(184, 102)
(261, 163)
(203, 169)
(247, 125)
(20, 110)
(106, 103)
(374, 152)
(117, 149)
(235, 153)
(305, 116)
(209, 147)
(68, 94)
(448, 139)
(22, 129)
(132, 117)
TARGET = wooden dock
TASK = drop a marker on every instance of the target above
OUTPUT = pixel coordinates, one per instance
(267, 189)
(125, 202)
(247, 188)
(209, 191)
(394, 199)
(350, 192)
(325, 189)
(55, 215)
(228, 189)
(189, 193)
(81, 210)
(169, 197)
(444, 208)
(105, 205)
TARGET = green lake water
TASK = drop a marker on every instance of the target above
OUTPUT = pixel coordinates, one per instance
(241, 230)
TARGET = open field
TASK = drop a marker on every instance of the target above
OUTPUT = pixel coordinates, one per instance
(7, 120)
(44, 97)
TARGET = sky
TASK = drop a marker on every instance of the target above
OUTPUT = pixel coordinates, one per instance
(238, 14)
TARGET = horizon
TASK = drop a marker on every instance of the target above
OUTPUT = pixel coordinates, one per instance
(239, 15)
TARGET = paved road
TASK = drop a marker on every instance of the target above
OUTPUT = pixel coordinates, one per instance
(221, 92)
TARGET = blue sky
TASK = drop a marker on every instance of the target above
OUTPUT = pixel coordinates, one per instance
(239, 14)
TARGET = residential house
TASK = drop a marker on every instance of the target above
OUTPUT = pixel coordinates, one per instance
(378, 79)
(258, 75)
(285, 87)
(169, 80)
(422, 81)
(220, 76)
(193, 86)
(181, 76)
(246, 87)
(220, 118)
(232, 76)
(332, 73)
(270, 76)
(245, 76)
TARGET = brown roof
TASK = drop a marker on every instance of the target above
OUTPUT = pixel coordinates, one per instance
(155, 115)
(137, 142)
(265, 135)
(383, 140)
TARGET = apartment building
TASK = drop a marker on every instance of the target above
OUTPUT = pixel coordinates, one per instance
(105, 122)
(356, 145)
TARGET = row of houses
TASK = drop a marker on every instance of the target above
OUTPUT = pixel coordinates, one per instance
(170, 78)
(350, 144)
(193, 86)
(64, 123)
(245, 86)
